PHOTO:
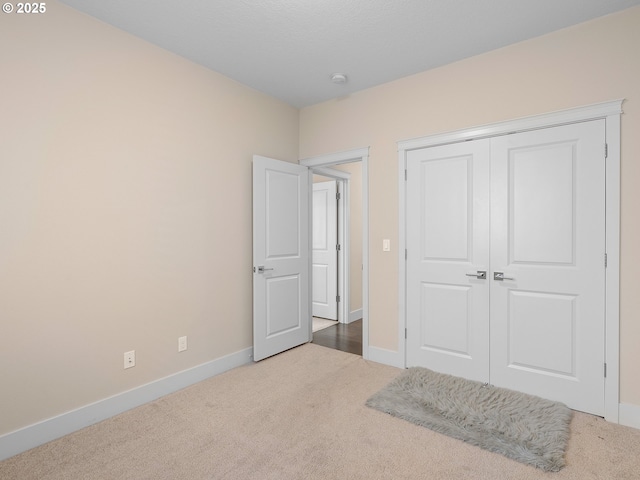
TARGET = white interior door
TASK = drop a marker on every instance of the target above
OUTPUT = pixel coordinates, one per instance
(447, 245)
(324, 264)
(548, 238)
(281, 307)
(544, 224)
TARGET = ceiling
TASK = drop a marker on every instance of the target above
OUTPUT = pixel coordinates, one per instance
(290, 48)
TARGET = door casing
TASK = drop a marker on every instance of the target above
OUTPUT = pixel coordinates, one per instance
(610, 112)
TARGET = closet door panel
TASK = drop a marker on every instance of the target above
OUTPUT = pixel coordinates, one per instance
(447, 244)
(547, 242)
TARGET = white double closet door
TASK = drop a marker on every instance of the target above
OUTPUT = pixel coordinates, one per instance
(529, 210)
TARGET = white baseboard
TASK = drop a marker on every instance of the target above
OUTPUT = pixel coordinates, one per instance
(42, 432)
(386, 357)
(629, 415)
(355, 315)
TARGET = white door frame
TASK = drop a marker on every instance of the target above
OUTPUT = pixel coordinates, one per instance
(610, 112)
(358, 155)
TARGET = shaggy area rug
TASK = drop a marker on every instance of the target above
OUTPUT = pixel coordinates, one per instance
(522, 427)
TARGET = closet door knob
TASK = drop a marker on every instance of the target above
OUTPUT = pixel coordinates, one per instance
(481, 275)
(500, 276)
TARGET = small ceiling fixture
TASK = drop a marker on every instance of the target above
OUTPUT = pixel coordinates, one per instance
(339, 78)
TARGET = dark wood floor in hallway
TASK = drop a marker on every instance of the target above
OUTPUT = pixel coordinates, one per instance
(346, 337)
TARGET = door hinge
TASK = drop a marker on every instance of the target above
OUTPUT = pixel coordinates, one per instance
(337, 298)
(605, 370)
(337, 195)
(605, 260)
(405, 174)
(606, 150)
(338, 247)
(405, 333)
(406, 254)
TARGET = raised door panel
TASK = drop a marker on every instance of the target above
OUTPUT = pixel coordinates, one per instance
(282, 209)
(446, 216)
(542, 319)
(446, 317)
(542, 199)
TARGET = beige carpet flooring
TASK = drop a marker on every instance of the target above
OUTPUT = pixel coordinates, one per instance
(300, 415)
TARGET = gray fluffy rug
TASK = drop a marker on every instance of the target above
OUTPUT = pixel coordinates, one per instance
(522, 427)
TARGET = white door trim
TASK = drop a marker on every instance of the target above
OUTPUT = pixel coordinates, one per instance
(344, 254)
(357, 155)
(610, 112)
(545, 120)
(332, 173)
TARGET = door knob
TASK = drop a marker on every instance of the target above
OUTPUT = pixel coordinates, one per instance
(261, 269)
(481, 275)
(500, 276)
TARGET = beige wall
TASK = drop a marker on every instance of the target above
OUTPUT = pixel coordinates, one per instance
(589, 63)
(125, 211)
(125, 191)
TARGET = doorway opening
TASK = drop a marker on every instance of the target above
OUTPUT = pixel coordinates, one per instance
(348, 171)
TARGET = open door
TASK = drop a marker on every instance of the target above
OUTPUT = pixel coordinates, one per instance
(281, 289)
(324, 251)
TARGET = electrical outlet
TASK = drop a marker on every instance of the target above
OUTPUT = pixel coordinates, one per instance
(182, 344)
(130, 359)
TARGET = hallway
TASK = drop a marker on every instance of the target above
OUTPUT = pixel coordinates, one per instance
(344, 337)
